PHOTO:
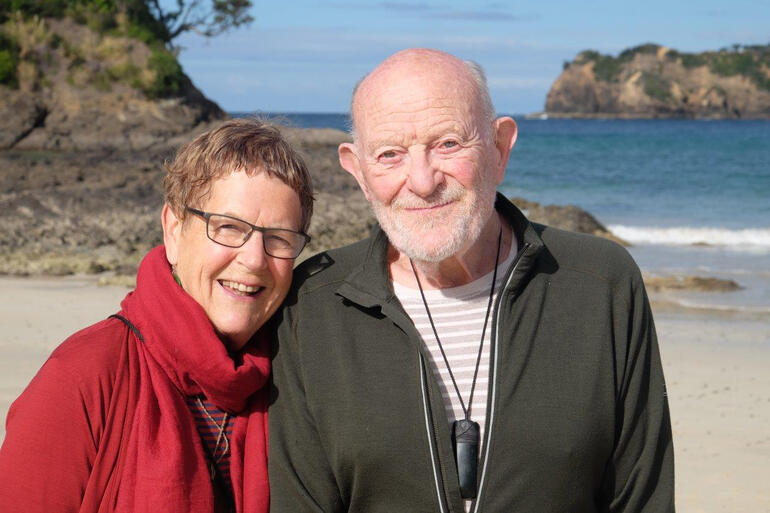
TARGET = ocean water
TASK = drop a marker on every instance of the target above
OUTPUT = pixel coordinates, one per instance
(692, 197)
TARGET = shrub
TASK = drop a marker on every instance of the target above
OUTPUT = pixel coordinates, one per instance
(728, 64)
(8, 69)
(629, 53)
(100, 21)
(76, 62)
(9, 60)
(608, 68)
(588, 55)
(752, 62)
(142, 33)
(56, 41)
(656, 86)
(673, 55)
(42, 8)
(126, 73)
(693, 60)
(99, 15)
(168, 74)
(102, 81)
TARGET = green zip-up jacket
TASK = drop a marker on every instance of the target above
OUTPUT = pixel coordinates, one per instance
(577, 415)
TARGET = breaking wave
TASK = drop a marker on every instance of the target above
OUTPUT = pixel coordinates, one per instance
(746, 238)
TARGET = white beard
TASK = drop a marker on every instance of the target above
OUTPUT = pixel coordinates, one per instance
(460, 229)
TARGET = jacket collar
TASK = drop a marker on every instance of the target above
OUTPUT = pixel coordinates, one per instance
(369, 283)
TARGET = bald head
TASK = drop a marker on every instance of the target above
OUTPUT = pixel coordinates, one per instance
(415, 67)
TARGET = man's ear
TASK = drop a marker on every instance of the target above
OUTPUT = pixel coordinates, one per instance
(506, 132)
(172, 231)
(350, 162)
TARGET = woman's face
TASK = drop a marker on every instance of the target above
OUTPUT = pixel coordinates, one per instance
(212, 274)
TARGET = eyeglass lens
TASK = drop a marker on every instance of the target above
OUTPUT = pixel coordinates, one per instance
(233, 232)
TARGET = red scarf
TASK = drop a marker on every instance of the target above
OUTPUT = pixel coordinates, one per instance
(163, 464)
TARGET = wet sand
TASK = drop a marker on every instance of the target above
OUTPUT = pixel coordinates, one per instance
(717, 370)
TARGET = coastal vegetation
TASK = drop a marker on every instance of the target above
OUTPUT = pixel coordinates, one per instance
(750, 61)
(102, 74)
(9, 59)
(25, 24)
(146, 20)
(607, 67)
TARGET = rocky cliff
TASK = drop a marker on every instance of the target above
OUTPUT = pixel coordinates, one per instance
(652, 81)
(65, 86)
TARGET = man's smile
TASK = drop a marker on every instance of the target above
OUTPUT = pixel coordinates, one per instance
(428, 208)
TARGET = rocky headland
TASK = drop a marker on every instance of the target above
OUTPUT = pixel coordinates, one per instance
(67, 87)
(652, 81)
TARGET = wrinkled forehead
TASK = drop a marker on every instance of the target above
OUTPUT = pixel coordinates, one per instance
(419, 97)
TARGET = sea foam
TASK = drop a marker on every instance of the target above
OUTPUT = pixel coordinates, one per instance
(757, 239)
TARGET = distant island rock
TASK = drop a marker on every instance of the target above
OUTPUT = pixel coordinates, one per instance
(65, 86)
(652, 81)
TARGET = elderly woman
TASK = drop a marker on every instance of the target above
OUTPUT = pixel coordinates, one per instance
(162, 407)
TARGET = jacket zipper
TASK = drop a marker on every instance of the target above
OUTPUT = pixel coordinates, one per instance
(493, 397)
(431, 437)
(437, 476)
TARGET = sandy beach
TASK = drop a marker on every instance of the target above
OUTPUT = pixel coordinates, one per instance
(717, 368)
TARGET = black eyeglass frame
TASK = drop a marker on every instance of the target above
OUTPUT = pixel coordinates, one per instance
(262, 229)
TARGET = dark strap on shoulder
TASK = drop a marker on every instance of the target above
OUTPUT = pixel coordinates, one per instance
(130, 326)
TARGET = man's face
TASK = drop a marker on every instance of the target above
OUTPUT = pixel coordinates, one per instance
(427, 162)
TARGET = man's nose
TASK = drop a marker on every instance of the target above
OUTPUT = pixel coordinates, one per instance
(423, 176)
(252, 254)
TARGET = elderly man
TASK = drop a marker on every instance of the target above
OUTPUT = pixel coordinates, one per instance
(462, 358)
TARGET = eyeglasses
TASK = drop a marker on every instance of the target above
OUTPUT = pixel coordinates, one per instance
(233, 232)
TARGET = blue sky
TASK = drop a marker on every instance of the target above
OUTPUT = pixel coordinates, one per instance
(305, 56)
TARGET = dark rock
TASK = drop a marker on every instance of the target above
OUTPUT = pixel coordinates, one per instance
(20, 114)
(568, 217)
(691, 283)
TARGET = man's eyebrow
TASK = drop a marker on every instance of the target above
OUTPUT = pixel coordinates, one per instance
(379, 143)
(432, 135)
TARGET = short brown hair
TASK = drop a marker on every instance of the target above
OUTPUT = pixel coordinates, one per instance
(246, 145)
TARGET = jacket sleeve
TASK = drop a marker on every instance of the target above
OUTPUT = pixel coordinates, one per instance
(46, 458)
(640, 477)
(301, 478)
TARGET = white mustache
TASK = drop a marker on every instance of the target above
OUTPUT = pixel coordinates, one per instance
(442, 196)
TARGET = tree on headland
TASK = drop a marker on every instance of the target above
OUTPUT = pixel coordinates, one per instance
(150, 19)
(205, 18)
(27, 44)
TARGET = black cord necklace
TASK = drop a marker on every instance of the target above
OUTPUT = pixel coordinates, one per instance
(465, 432)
